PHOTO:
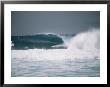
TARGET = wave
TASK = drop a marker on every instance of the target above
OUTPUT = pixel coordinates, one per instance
(35, 41)
(82, 45)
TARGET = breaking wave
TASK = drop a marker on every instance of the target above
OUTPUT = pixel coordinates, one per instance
(83, 45)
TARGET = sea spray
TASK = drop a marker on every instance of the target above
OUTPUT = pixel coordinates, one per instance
(89, 40)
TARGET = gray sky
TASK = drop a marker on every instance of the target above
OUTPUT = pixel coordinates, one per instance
(67, 22)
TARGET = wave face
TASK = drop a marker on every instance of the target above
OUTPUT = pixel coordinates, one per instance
(35, 41)
(82, 45)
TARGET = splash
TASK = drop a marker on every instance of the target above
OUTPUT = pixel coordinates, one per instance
(89, 40)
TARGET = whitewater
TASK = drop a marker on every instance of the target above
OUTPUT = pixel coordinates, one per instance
(81, 58)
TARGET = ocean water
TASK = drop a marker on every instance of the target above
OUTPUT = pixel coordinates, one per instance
(74, 56)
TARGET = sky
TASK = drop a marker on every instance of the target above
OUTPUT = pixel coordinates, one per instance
(58, 22)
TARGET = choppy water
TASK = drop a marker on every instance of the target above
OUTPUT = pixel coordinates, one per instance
(60, 68)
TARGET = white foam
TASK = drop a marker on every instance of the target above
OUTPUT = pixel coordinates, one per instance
(12, 44)
(83, 45)
(89, 40)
